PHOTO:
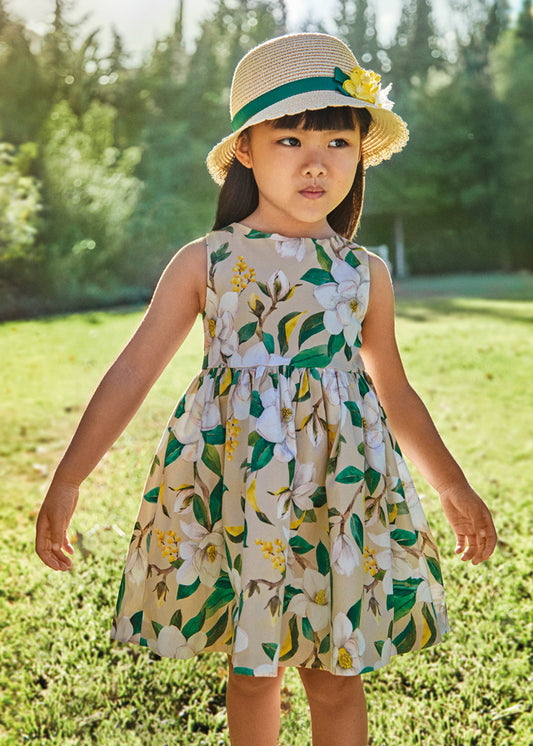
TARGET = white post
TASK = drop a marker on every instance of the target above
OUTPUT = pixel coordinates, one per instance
(399, 245)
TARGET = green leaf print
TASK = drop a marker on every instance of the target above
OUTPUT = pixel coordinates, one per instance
(324, 645)
(211, 459)
(322, 559)
(200, 511)
(218, 629)
(430, 630)
(347, 351)
(256, 406)
(319, 497)
(349, 475)
(357, 530)
(354, 614)
(136, 622)
(290, 646)
(157, 628)
(155, 463)
(307, 629)
(247, 331)
(372, 479)
(404, 538)
(257, 234)
(403, 596)
(285, 329)
(184, 591)
(174, 449)
(299, 545)
(317, 276)
(195, 624)
(314, 357)
(220, 254)
(405, 641)
(176, 619)
(313, 324)
(216, 436)
(121, 591)
(238, 563)
(323, 259)
(180, 409)
(268, 341)
(434, 568)
(218, 599)
(289, 594)
(355, 414)
(152, 496)
(270, 648)
(351, 260)
(262, 454)
(335, 343)
(364, 388)
(243, 671)
(215, 501)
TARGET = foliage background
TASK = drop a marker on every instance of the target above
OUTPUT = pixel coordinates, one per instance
(102, 173)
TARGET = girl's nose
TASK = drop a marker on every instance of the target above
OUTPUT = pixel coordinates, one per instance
(314, 165)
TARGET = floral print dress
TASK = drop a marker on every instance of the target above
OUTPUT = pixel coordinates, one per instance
(279, 523)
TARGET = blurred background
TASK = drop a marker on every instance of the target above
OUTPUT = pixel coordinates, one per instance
(107, 112)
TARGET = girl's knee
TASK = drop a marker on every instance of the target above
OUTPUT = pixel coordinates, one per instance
(327, 688)
(254, 685)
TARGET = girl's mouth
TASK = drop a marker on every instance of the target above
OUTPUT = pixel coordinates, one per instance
(312, 192)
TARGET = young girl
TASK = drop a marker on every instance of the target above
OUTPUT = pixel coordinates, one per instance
(279, 523)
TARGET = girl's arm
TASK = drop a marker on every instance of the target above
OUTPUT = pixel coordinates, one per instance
(413, 426)
(178, 299)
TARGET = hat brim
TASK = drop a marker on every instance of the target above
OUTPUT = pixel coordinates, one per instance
(387, 134)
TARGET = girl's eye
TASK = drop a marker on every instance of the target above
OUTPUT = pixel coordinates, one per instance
(339, 142)
(292, 142)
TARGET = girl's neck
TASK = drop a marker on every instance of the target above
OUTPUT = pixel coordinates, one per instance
(288, 228)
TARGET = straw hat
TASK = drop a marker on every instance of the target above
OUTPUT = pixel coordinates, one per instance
(292, 73)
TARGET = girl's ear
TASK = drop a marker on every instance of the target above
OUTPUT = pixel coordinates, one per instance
(242, 150)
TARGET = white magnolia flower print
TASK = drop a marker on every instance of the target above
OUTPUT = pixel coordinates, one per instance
(220, 315)
(416, 511)
(290, 247)
(344, 554)
(171, 643)
(183, 495)
(257, 356)
(276, 422)
(137, 565)
(348, 646)
(124, 630)
(201, 413)
(303, 485)
(241, 395)
(203, 555)
(345, 300)
(373, 432)
(278, 286)
(313, 603)
(241, 640)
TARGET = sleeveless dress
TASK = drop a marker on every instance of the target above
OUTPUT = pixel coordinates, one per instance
(279, 522)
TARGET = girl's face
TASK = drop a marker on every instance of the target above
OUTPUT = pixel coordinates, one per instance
(301, 174)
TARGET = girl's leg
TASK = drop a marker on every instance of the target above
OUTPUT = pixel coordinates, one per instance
(338, 708)
(253, 706)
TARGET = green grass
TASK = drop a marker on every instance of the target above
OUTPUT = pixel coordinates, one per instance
(466, 345)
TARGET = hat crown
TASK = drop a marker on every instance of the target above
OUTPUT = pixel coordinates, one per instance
(286, 59)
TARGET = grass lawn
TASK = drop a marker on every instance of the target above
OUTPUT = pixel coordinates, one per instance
(466, 343)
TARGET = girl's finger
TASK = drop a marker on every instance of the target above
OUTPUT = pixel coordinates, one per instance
(461, 544)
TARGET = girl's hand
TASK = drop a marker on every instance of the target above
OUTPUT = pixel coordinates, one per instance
(471, 521)
(51, 539)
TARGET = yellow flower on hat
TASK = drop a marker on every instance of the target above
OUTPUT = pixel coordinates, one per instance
(363, 84)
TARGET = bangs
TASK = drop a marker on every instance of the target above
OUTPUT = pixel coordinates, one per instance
(331, 118)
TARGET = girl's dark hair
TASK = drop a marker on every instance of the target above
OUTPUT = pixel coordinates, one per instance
(239, 196)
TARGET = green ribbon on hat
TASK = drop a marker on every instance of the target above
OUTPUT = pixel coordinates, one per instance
(294, 88)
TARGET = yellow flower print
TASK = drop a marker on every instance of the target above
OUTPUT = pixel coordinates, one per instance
(232, 431)
(274, 552)
(370, 563)
(363, 84)
(242, 275)
(168, 543)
